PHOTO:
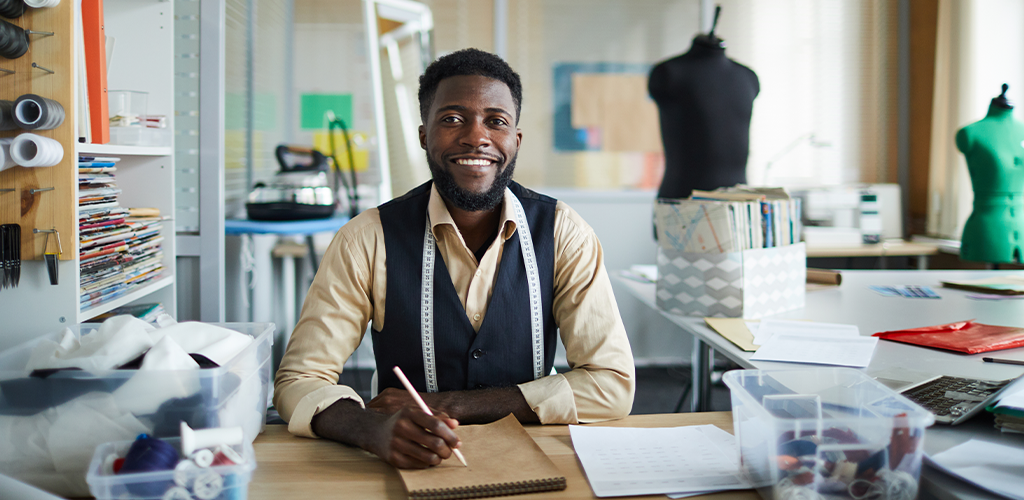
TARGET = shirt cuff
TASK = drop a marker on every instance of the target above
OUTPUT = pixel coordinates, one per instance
(316, 402)
(551, 398)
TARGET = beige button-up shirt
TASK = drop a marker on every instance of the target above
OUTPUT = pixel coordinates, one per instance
(349, 291)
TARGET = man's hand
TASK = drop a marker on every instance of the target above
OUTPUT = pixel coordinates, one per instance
(479, 406)
(408, 439)
(411, 439)
(391, 400)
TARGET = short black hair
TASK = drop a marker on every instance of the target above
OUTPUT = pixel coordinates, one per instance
(468, 62)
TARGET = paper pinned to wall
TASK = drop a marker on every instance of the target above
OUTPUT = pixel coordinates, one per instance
(619, 106)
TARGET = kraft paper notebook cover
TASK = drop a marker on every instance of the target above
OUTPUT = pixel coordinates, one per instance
(503, 460)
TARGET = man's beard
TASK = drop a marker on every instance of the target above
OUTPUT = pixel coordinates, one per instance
(468, 200)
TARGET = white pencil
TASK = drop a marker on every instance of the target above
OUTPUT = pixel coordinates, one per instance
(423, 406)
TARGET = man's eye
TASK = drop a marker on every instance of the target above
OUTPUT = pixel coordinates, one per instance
(499, 122)
(450, 119)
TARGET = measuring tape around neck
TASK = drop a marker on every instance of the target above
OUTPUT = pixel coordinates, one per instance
(533, 285)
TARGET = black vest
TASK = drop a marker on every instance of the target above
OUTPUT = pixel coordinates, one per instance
(501, 353)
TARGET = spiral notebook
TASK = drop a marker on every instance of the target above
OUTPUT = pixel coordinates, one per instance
(503, 460)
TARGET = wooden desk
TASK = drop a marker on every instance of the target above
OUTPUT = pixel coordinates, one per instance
(310, 469)
(882, 250)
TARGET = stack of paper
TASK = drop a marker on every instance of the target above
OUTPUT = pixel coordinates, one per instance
(814, 343)
(679, 461)
(118, 250)
(1009, 409)
(994, 467)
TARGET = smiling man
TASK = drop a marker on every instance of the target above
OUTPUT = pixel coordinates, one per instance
(478, 275)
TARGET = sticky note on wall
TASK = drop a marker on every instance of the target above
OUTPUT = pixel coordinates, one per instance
(314, 106)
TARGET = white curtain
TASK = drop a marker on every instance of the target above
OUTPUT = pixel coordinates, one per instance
(979, 46)
(827, 72)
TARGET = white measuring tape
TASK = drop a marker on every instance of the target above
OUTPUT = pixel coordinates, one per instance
(532, 281)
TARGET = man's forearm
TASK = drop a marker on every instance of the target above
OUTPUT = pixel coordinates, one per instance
(347, 422)
(482, 405)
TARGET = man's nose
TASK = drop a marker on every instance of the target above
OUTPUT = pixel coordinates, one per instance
(476, 135)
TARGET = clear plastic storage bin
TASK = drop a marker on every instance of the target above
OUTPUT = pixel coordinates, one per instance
(127, 107)
(826, 433)
(222, 482)
(54, 421)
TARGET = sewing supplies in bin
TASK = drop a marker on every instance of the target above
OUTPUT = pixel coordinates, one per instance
(200, 465)
(816, 434)
(839, 464)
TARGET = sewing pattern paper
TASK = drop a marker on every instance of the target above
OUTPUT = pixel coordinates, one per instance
(621, 461)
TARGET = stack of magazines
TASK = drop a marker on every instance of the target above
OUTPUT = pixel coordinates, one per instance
(119, 248)
(146, 312)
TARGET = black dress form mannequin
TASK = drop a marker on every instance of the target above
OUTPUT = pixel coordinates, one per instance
(704, 103)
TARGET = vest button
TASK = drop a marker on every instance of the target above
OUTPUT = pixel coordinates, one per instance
(476, 317)
(478, 353)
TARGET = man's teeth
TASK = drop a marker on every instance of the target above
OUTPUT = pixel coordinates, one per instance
(465, 161)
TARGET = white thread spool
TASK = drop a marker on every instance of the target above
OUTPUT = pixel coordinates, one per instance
(192, 440)
(208, 485)
(31, 150)
(6, 161)
(177, 493)
(203, 458)
(184, 473)
(39, 4)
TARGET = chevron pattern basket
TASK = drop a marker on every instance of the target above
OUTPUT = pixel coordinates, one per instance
(747, 284)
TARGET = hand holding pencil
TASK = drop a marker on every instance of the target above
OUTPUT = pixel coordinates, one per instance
(423, 406)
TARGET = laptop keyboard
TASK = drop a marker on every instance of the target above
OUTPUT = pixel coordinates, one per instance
(953, 396)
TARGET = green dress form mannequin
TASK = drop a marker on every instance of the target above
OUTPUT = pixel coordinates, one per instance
(994, 149)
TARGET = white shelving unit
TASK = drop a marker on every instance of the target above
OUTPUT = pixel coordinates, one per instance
(142, 59)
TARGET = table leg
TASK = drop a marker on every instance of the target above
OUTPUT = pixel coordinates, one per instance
(312, 253)
(262, 305)
(288, 288)
(922, 263)
(700, 375)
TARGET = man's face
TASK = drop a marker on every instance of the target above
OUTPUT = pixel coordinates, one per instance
(471, 140)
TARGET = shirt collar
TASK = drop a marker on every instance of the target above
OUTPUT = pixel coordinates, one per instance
(439, 215)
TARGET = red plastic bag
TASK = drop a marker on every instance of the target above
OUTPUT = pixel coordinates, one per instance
(963, 336)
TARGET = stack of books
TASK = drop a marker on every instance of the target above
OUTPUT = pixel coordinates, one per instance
(729, 220)
(119, 248)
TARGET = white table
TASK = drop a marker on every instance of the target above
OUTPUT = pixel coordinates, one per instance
(854, 303)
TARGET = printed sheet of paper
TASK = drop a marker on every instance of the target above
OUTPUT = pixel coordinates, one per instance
(772, 327)
(622, 461)
(817, 349)
(994, 467)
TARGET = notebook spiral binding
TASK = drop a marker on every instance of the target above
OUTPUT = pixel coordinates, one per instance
(490, 490)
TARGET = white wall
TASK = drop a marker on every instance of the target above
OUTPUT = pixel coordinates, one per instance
(622, 221)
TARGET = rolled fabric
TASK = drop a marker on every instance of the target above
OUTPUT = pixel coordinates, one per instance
(6, 161)
(33, 112)
(31, 150)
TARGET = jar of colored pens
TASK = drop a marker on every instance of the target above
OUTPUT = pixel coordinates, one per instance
(202, 464)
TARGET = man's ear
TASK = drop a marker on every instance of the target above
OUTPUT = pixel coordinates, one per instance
(423, 137)
(519, 137)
